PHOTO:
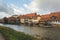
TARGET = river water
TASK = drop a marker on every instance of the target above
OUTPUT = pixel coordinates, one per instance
(43, 33)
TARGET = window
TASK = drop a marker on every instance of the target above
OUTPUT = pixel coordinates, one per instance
(35, 18)
(53, 17)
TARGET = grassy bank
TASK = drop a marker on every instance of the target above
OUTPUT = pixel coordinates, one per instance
(11, 34)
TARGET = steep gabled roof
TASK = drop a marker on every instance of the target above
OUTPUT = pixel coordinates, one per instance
(57, 14)
(31, 15)
(45, 17)
(20, 17)
(48, 16)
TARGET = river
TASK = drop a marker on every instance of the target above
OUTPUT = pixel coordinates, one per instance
(47, 33)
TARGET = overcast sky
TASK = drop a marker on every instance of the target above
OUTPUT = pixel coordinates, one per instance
(12, 7)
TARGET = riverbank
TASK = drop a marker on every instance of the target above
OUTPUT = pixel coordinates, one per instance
(39, 32)
(38, 25)
(1, 37)
(10, 34)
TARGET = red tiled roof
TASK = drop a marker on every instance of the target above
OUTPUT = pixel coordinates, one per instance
(45, 17)
(31, 15)
(48, 16)
(57, 14)
(21, 16)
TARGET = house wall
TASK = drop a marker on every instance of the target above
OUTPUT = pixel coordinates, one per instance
(54, 22)
(32, 20)
(22, 20)
(36, 20)
(29, 20)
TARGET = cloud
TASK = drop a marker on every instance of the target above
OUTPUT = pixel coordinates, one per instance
(3, 14)
(43, 6)
(17, 10)
(35, 6)
(40, 6)
(32, 7)
(4, 9)
(50, 5)
(2, 6)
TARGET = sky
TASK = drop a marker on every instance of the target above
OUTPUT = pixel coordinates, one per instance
(20, 7)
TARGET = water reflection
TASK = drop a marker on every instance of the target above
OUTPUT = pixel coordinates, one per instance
(52, 33)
